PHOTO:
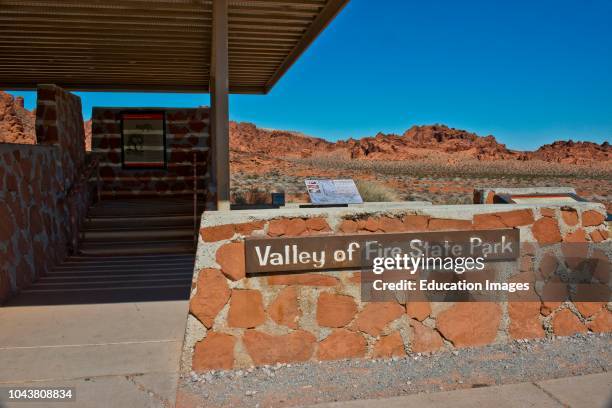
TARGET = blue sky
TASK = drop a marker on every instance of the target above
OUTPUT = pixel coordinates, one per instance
(528, 72)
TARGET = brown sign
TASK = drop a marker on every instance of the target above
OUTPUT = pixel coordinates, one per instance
(333, 252)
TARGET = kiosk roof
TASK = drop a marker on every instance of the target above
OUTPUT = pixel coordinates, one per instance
(153, 45)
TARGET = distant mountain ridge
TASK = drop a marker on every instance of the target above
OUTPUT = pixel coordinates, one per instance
(247, 141)
(428, 141)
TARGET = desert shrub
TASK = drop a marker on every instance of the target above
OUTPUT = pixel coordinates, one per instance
(251, 195)
(432, 168)
(372, 191)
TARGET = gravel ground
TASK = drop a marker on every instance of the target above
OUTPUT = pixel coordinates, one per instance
(285, 385)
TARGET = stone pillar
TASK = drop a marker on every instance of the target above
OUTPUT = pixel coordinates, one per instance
(219, 84)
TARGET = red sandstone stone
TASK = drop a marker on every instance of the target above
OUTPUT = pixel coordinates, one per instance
(602, 322)
(246, 309)
(5, 286)
(213, 293)
(576, 236)
(335, 310)
(549, 307)
(525, 320)
(548, 265)
(230, 257)
(40, 257)
(389, 346)
(418, 310)
(376, 315)
(570, 217)
(372, 224)
(546, 231)
(602, 268)
(487, 221)
(24, 273)
(440, 224)
(285, 310)
(424, 339)
(388, 224)
(215, 351)
(547, 212)
(592, 218)
(415, 222)
(356, 278)
(247, 228)
(575, 253)
(526, 263)
(276, 228)
(317, 224)
(565, 323)
(588, 309)
(517, 218)
(217, 233)
(470, 324)
(7, 225)
(340, 344)
(269, 349)
(348, 226)
(599, 235)
(295, 226)
(308, 279)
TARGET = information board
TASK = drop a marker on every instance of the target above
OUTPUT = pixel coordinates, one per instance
(325, 192)
(143, 140)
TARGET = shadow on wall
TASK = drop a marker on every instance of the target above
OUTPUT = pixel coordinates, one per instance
(35, 186)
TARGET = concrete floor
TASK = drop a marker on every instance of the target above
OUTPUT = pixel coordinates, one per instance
(115, 354)
(587, 391)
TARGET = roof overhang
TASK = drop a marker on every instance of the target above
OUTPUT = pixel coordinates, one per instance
(153, 45)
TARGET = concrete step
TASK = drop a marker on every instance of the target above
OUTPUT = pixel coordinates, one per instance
(81, 259)
(145, 234)
(112, 276)
(142, 210)
(151, 222)
(137, 248)
(121, 262)
(167, 268)
(110, 283)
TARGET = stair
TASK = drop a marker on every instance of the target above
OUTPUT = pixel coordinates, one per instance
(139, 227)
(112, 279)
(132, 250)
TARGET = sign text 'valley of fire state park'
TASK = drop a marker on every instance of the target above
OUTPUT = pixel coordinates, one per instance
(335, 252)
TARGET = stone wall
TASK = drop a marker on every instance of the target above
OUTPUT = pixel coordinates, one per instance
(187, 132)
(59, 121)
(38, 191)
(238, 321)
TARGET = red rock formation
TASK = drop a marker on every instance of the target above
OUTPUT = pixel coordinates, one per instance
(87, 126)
(571, 152)
(16, 122)
(18, 125)
(249, 143)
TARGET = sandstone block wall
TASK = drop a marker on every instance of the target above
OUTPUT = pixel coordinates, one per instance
(59, 121)
(187, 132)
(37, 191)
(238, 321)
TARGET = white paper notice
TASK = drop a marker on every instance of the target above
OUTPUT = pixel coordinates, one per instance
(333, 192)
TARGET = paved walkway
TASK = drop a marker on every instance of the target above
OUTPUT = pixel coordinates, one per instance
(587, 391)
(117, 339)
